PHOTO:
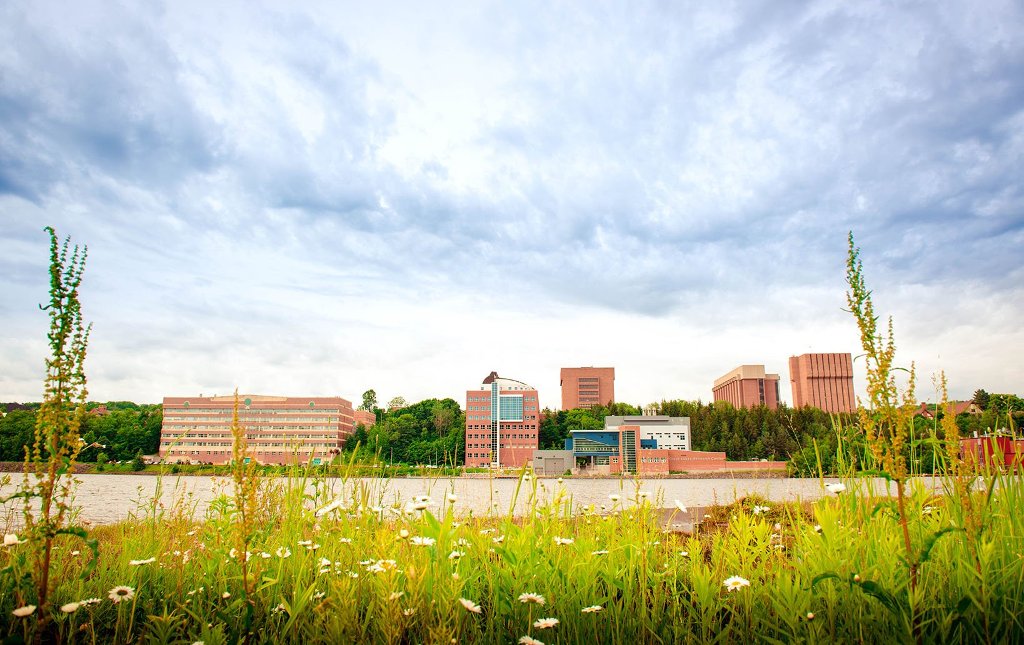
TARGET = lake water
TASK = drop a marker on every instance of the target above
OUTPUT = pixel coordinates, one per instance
(104, 499)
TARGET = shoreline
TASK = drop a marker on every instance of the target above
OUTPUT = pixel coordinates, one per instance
(16, 467)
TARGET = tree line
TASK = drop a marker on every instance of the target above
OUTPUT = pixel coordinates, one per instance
(433, 431)
(112, 431)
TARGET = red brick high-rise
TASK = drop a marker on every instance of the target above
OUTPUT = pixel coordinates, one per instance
(823, 381)
(502, 423)
(748, 386)
(586, 387)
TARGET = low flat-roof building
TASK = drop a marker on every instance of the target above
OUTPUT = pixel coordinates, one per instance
(278, 429)
(552, 463)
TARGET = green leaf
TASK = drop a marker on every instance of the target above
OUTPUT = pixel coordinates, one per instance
(821, 577)
(929, 543)
(876, 591)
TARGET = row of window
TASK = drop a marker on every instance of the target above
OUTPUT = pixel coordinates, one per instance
(227, 446)
(250, 429)
(501, 426)
(251, 436)
(250, 411)
(226, 418)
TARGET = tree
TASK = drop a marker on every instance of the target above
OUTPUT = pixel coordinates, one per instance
(981, 399)
(369, 401)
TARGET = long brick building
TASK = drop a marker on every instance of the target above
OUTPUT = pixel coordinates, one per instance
(279, 430)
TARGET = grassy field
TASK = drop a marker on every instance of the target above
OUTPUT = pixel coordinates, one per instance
(306, 569)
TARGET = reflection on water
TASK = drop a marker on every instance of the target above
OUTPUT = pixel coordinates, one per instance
(103, 499)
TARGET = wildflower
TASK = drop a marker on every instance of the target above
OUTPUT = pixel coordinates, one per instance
(593, 609)
(233, 553)
(471, 606)
(10, 539)
(404, 533)
(644, 494)
(614, 497)
(761, 509)
(529, 640)
(455, 575)
(280, 607)
(303, 543)
(421, 504)
(70, 608)
(195, 591)
(856, 577)
(599, 552)
(76, 553)
(119, 593)
(810, 615)
(685, 554)
(264, 555)
(313, 547)
(395, 595)
(817, 528)
(89, 601)
(545, 623)
(138, 563)
(680, 506)
(409, 612)
(498, 540)
(455, 555)
(345, 540)
(835, 488)
(531, 597)
(563, 541)
(226, 595)
(27, 610)
(283, 552)
(487, 531)
(319, 595)
(559, 480)
(452, 498)
(927, 510)
(735, 582)
(420, 540)
(336, 504)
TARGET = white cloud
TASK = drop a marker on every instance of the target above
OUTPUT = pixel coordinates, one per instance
(356, 196)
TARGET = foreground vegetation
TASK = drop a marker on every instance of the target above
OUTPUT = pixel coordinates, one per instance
(307, 568)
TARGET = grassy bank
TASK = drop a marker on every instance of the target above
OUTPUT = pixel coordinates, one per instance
(322, 570)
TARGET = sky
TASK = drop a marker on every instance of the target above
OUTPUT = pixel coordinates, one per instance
(323, 198)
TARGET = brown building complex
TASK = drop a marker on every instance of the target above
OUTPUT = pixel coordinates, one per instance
(279, 429)
(823, 381)
(586, 387)
(502, 423)
(748, 386)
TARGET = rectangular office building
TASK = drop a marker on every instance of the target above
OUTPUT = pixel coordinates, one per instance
(748, 386)
(278, 429)
(586, 387)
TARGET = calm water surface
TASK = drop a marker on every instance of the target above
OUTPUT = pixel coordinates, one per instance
(103, 499)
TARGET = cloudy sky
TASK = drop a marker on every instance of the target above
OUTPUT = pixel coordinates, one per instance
(406, 196)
